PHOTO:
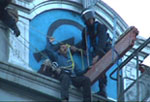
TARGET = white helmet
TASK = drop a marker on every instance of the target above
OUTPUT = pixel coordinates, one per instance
(87, 14)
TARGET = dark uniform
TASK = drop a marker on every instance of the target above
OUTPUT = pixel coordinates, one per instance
(94, 41)
(6, 18)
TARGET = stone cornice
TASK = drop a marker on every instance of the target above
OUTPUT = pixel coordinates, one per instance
(37, 82)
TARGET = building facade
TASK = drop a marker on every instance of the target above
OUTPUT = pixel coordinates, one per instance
(40, 19)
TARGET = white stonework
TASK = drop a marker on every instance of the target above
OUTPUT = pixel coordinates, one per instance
(19, 49)
(129, 71)
(129, 76)
(3, 42)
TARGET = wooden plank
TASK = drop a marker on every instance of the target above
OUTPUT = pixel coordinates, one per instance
(122, 46)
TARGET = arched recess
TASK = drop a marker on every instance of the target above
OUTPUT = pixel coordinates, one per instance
(72, 9)
(67, 13)
(105, 14)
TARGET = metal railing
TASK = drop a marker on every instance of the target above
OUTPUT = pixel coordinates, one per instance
(121, 94)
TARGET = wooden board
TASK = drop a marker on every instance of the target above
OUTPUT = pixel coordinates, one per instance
(125, 43)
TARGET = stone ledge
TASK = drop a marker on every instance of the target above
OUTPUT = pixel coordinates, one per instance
(37, 82)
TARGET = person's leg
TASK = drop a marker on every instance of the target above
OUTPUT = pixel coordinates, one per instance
(84, 82)
(102, 86)
(65, 83)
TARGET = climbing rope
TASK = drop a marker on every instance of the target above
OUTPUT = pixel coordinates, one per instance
(73, 64)
(87, 52)
(114, 36)
(14, 51)
(71, 57)
(23, 45)
(39, 32)
(72, 60)
(114, 51)
(83, 66)
(30, 43)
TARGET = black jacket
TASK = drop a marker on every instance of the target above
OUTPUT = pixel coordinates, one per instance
(98, 31)
(4, 3)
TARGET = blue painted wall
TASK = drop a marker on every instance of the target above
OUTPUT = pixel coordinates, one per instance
(39, 28)
(38, 31)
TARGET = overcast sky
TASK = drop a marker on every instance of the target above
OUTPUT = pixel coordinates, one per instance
(134, 12)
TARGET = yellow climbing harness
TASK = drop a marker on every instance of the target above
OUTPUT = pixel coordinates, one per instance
(70, 54)
(71, 58)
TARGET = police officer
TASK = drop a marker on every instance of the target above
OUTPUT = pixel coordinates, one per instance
(7, 16)
(94, 39)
